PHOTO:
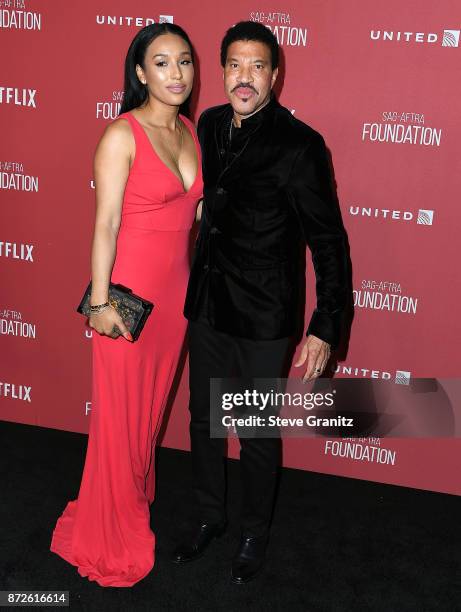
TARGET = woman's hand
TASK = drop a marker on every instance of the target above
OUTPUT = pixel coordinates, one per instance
(103, 322)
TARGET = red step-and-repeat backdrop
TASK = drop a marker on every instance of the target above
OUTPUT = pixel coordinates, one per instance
(380, 81)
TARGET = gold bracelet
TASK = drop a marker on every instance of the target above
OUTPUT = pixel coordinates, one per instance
(98, 307)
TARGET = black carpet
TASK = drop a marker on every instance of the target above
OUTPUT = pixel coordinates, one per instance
(336, 544)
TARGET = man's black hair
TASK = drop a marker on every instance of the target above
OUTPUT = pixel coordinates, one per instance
(250, 30)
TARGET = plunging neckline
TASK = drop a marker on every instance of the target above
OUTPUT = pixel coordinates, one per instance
(164, 164)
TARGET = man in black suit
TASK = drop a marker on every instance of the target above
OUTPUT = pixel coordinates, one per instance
(267, 194)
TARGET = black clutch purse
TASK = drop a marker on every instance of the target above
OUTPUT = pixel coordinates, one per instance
(133, 309)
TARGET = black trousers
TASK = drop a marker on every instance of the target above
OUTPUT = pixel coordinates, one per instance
(213, 354)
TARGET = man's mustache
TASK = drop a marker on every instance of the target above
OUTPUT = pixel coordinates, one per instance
(244, 86)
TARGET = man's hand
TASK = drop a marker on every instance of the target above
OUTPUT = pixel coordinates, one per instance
(198, 213)
(317, 353)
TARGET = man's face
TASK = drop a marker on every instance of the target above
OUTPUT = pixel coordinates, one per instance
(248, 76)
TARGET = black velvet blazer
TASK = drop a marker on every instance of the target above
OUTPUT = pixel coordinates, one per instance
(267, 195)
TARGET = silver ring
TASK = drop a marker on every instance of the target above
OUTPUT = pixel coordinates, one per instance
(318, 370)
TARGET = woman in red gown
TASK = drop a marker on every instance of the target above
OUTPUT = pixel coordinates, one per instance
(148, 184)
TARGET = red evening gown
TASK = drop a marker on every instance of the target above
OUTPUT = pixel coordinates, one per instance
(106, 532)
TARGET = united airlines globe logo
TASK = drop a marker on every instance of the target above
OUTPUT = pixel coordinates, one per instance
(402, 377)
(425, 217)
(450, 38)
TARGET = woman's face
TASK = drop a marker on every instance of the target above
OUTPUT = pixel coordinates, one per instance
(168, 70)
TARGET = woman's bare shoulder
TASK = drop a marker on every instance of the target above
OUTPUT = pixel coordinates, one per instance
(117, 136)
(118, 129)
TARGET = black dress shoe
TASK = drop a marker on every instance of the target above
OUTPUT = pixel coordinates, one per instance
(198, 543)
(249, 558)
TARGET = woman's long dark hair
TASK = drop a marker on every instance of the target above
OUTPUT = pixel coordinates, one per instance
(135, 92)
